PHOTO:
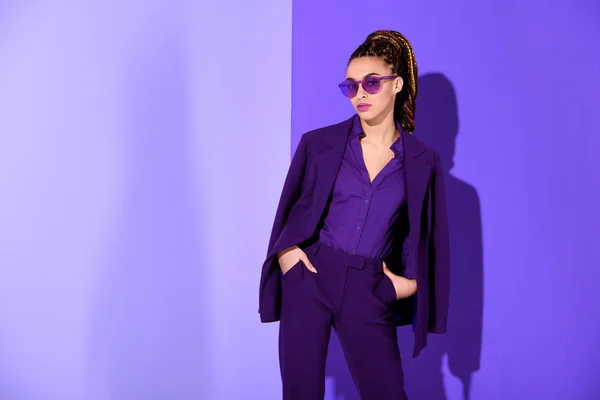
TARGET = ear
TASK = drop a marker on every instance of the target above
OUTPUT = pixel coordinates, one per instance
(398, 84)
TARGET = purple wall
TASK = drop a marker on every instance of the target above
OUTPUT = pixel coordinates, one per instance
(137, 197)
(125, 148)
(508, 95)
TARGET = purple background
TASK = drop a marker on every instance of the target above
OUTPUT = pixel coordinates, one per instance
(138, 186)
(509, 96)
(142, 156)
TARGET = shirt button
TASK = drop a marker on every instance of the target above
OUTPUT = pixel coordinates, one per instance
(353, 246)
(366, 201)
(358, 228)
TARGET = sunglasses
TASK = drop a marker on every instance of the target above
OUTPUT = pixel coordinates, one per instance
(371, 84)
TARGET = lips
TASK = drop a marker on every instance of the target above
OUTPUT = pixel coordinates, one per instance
(363, 106)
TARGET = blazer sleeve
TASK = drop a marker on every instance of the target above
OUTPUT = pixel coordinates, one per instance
(439, 253)
(290, 193)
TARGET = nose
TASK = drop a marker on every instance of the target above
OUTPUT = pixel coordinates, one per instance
(361, 94)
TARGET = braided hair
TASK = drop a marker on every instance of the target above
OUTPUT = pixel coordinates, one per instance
(394, 49)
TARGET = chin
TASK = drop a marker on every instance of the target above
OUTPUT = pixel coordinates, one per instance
(368, 115)
(371, 116)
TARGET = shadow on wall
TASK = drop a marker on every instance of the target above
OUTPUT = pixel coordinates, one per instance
(146, 328)
(445, 368)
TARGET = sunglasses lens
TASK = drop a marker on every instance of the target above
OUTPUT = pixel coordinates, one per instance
(372, 85)
(349, 88)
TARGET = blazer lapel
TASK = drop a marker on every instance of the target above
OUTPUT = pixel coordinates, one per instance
(329, 159)
(418, 173)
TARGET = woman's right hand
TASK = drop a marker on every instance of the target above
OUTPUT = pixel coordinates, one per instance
(290, 257)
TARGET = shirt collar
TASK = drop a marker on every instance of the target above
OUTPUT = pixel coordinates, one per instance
(356, 128)
(357, 131)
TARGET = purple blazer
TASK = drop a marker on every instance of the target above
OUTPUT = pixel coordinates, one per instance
(303, 200)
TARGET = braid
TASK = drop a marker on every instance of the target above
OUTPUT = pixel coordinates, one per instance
(396, 51)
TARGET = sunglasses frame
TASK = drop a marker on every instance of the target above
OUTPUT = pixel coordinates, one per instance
(360, 83)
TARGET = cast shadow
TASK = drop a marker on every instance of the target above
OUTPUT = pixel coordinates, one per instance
(446, 366)
(457, 353)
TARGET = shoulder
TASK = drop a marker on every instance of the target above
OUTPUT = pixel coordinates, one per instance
(315, 136)
(418, 149)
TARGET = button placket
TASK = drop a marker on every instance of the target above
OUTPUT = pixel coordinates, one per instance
(361, 220)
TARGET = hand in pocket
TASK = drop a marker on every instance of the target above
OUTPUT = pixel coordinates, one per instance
(404, 287)
(290, 257)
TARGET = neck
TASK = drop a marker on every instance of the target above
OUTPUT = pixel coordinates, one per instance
(382, 132)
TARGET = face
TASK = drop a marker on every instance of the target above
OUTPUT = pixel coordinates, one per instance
(371, 106)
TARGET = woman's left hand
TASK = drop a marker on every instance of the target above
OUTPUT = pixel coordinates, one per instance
(404, 287)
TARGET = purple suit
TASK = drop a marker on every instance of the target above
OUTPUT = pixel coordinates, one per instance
(306, 191)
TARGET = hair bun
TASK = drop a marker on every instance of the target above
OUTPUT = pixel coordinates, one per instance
(388, 37)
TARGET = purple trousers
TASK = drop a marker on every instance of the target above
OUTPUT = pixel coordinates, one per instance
(351, 294)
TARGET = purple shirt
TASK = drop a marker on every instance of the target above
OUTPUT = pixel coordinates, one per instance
(363, 216)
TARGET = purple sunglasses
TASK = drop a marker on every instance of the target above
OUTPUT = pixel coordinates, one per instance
(371, 84)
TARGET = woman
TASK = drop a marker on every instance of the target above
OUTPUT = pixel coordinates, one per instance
(360, 196)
